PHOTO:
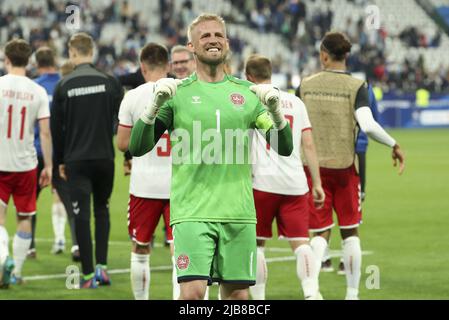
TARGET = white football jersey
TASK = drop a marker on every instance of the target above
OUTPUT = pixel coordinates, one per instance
(274, 173)
(22, 103)
(151, 173)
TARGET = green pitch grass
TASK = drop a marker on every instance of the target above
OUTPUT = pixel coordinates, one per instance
(405, 231)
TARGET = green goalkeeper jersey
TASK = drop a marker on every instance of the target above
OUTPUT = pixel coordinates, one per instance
(209, 125)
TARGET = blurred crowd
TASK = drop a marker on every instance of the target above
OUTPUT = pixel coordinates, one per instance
(300, 27)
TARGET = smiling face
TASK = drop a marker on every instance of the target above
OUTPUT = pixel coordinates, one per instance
(209, 42)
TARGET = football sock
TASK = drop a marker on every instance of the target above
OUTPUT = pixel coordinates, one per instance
(58, 218)
(306, 269)
(206, 294)
(33, 231)
(326, 255)
(319, 245)
(352, 255)
(140, 275)
(4, 243)
(176, 289)
(258, 290)
(21, 244)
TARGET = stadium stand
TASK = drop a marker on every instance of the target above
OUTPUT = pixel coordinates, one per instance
(403, 55)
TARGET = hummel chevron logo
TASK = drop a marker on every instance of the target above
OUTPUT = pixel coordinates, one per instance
(76, 210)
(196, 99)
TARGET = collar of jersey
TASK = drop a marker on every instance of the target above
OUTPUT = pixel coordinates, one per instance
(194, 77)
(83, 65)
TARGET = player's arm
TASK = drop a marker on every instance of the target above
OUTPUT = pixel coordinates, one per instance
(149, 128)
(57, 128)
(145, 136)
(123, 137)
(367, 124)
(277, 131)
(309, 151)
(45, 136)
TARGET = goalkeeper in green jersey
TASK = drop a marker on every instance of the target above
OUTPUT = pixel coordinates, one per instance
(210, 116)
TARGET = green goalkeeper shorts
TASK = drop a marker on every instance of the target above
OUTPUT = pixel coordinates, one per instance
(216, 252)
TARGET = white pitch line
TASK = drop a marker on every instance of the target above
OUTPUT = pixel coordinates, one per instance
(333, 253)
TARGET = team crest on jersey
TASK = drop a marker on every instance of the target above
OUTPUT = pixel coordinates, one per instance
(182, 262)
(237, 99)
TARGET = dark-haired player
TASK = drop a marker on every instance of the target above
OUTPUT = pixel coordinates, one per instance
(150, 174)
(23, 103)
(337, 104)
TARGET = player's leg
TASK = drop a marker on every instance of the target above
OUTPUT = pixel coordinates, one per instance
(61, 187)
(231, 291)
(32, 250)
(326, 263)
(348, 209)
(362, 172)
(293, 225)
(80, 188)
(258, 290)
(195, 246)
(193, 290)
(320, 220)
(5, 192)
(235, 260)
(24, 196)
(58, 219)
(4, 238)
(143, 218)
(140, 271)
(21, 244)
(267, 206)
(169, 239)
(6, 262)
(352, 259)
(102, 183)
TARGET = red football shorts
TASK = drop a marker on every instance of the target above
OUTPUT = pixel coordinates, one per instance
(342, 189)
(291, 213)
(143, 218)
(22, 187)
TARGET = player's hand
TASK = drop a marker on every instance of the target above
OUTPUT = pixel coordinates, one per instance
(62, 172)
(268, 95)
(398, 155)
(318, 196)
(127, 165)
(164, 90)
(45, 177)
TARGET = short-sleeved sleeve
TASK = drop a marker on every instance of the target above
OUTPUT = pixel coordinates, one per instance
(44, 106)
(166, 114)
(362, 98)
(124, 116)
(304, 117)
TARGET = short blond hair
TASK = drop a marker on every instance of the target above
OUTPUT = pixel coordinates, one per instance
(259, 67)
(83, 43)
(205, 17)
